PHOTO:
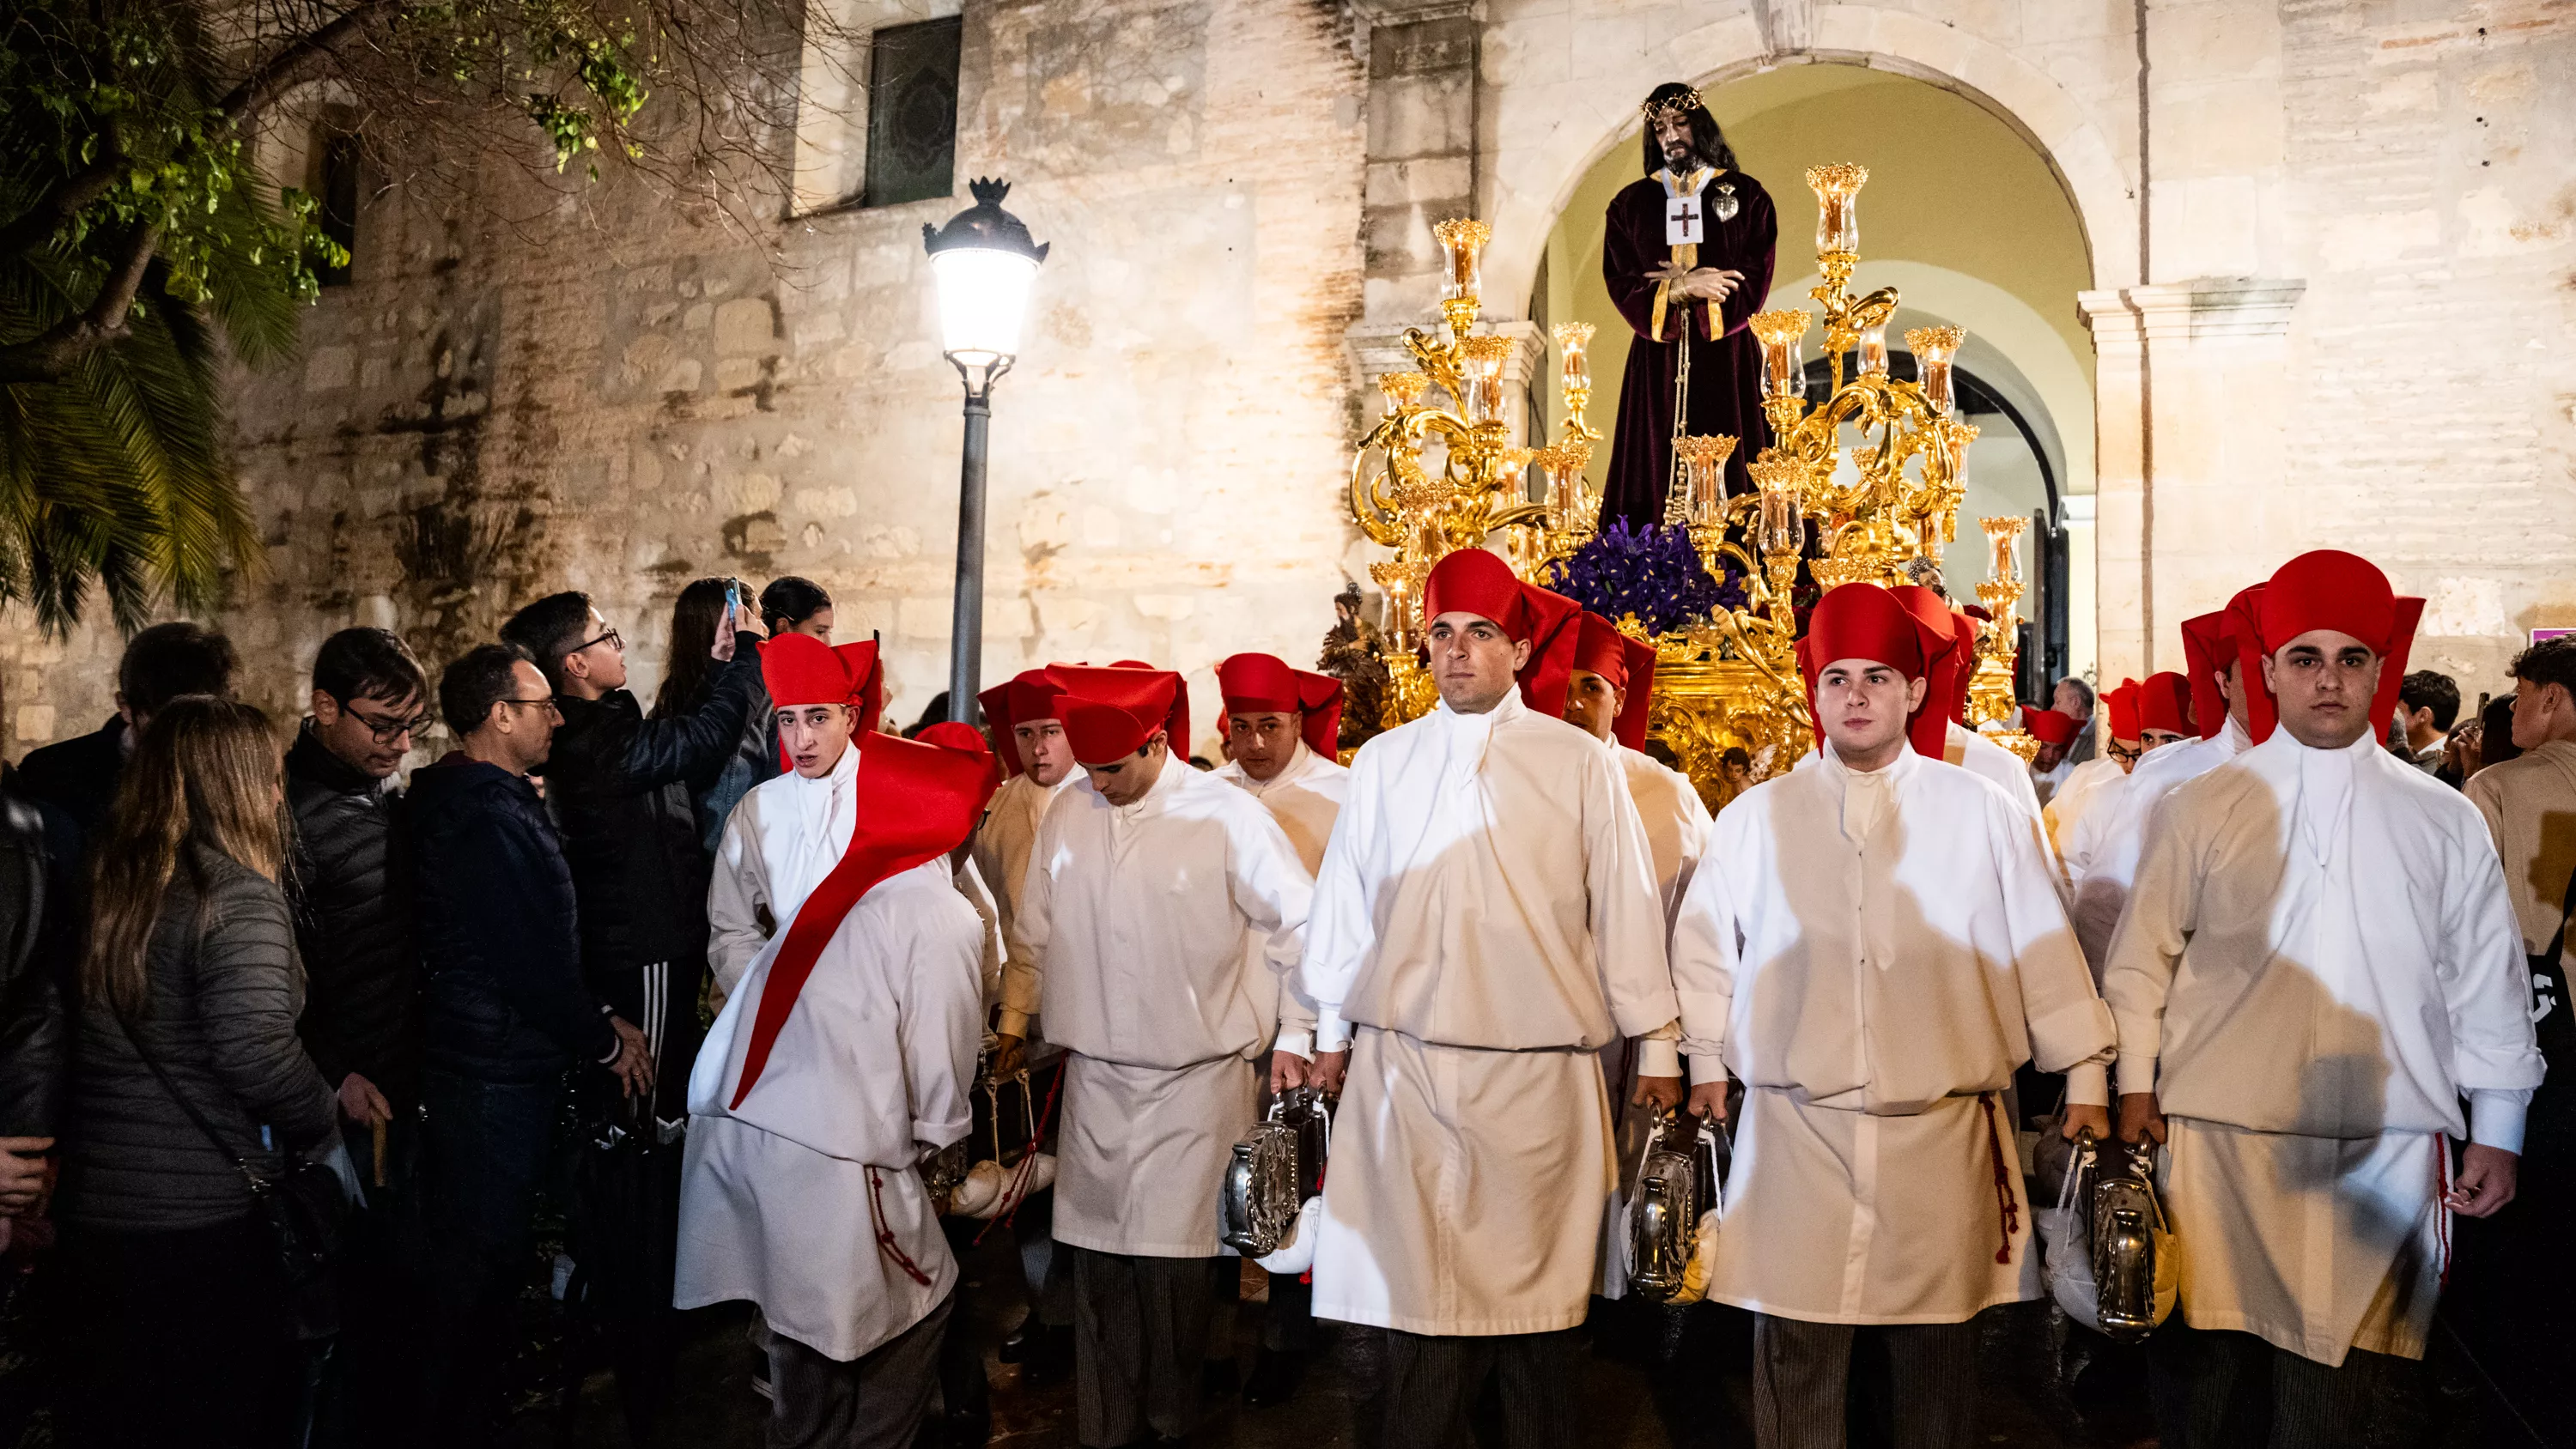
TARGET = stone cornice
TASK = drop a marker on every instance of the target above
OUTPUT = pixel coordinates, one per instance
(2202, 308)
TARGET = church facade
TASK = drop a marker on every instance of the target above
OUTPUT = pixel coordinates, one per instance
(2330, 250)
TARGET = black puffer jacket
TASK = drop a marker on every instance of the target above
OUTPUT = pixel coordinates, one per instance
(37, 937)
(619, 784)
(499, 940)
(353, 921)
(222, 989)
(78, 777)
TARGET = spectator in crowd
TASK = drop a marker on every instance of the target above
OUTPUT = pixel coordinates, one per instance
(506, 1013)
(361, 1021)
(2074, 698)
(189, 993)
(78, 776)
(2427, 703)
(792, 605)
(36, 951)
(700, 644)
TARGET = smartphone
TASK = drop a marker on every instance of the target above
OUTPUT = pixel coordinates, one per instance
(733, 604)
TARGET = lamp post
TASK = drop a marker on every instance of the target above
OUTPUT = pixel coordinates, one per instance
(984, 260)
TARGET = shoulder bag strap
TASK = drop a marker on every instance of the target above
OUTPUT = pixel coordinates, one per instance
(258, 1184)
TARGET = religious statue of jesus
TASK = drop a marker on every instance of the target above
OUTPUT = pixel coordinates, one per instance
(1687, 257)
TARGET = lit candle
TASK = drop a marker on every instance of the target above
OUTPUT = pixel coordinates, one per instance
(1837, 189)
(1873, 349)
(1933, 348)
(1399, 614)
(1462, 246)
(1484, 357)
(1781, 532)
(1704, 467)
(1784, 368)
(1571, 340)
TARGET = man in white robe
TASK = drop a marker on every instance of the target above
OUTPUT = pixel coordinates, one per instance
(2117, 719)
(2317, 964)
(1282, 728)
(1873, 946)
(1961, 745)
(1487, 920)
(1147, 883)
(842, 1059)
(2219, 706)
(1609, 698)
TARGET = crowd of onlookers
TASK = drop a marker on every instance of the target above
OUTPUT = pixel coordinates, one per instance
(232, 957)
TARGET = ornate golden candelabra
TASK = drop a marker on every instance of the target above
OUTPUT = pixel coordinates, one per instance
(1732, 681)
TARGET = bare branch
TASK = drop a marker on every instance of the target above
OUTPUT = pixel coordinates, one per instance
(48, 355)
(302, 56)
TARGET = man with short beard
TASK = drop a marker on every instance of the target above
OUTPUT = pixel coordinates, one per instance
(1874, 945)
(1686, 254)
(1487, 921)
(2318, 964)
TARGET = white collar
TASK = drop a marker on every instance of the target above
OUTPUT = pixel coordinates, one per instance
(1300, 760)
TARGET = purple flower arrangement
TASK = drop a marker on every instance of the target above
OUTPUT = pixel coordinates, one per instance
(1652, 572)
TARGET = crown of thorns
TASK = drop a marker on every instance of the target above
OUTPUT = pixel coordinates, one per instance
(1679, 105)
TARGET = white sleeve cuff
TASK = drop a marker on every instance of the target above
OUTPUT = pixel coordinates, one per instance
(1658, 1057)
(2495, 1116)
(1332, 1034)
(1296, 1041)
(1707, 1069)
(2136, 1074)
(2088, 1084)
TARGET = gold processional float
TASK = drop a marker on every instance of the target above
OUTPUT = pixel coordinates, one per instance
(1441, 472)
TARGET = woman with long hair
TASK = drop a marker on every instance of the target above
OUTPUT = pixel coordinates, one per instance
(181, 1306)
(697, 622)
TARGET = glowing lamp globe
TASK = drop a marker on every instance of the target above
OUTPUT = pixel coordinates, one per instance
(985, 261)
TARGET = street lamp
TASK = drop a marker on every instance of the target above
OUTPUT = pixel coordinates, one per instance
(985, 261)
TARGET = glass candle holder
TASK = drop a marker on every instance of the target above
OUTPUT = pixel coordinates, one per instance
(1399, 614)
(1873, 350)
(1933, 349)
(1402, 389)
(1704, 476)
(1574, 370)
(1784, 365)
(1782, 531)
(1837, 189)
(2003, 542)
(1483, 358)
(1462, 247)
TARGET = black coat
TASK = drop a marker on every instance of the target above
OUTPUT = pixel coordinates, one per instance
(78, 777)
(38, 935)
(499, 935)
(353, 921)
(222, 990)
(619, 783)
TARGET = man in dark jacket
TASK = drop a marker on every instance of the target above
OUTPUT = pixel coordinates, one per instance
(36, 944)
(78, 777)
(506, 1014)
(361, 1021)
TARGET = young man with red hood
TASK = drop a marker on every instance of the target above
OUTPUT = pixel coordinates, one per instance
(2143, 718)
(1487, 920)
(1162, 907)
(1874, 945)
(843, 1058)
(2318, 963)
(1028, 735)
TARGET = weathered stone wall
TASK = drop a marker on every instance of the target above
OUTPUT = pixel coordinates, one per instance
(617, 395)
(2331, 246)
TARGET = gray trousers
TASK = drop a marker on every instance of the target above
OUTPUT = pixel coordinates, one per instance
(875, 1401)
(1802, 1382)
(2217, 1389)
(1140, 1331)
(1432, 1382)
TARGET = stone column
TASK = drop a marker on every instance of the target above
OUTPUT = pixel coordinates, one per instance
(2192, 388)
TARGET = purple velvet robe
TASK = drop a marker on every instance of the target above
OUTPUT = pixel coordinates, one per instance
(1726, 369)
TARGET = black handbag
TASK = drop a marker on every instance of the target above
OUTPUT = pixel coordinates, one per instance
(305, 1208)
(2551, 1130)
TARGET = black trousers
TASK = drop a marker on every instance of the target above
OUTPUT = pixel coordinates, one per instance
(1431, 1383)
(2216, 1389)
(1140, 1331)
(181, 1338)
(1802, 1381)
(1289, 1325)
(875, 1401)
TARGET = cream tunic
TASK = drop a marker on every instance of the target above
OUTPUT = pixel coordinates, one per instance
(1487, 915)
(1978, 755)
(781, 1198)
(2111, 860)
(1305, 797)
(1874, 954)
(2079, 796)
(2318, 961)
(1136, 921)
(1001, 855)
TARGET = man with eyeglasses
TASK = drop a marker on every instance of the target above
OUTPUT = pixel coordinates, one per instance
(361, 1022)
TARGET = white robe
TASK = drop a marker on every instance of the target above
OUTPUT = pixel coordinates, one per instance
(1305, 797)
(1487, 914)
(2111, 859)
(2317, 962)
(1974, 753)
(1135, 920)
(2074, 799)
(1001, 855)
(1874, 955)
(781, 1198)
